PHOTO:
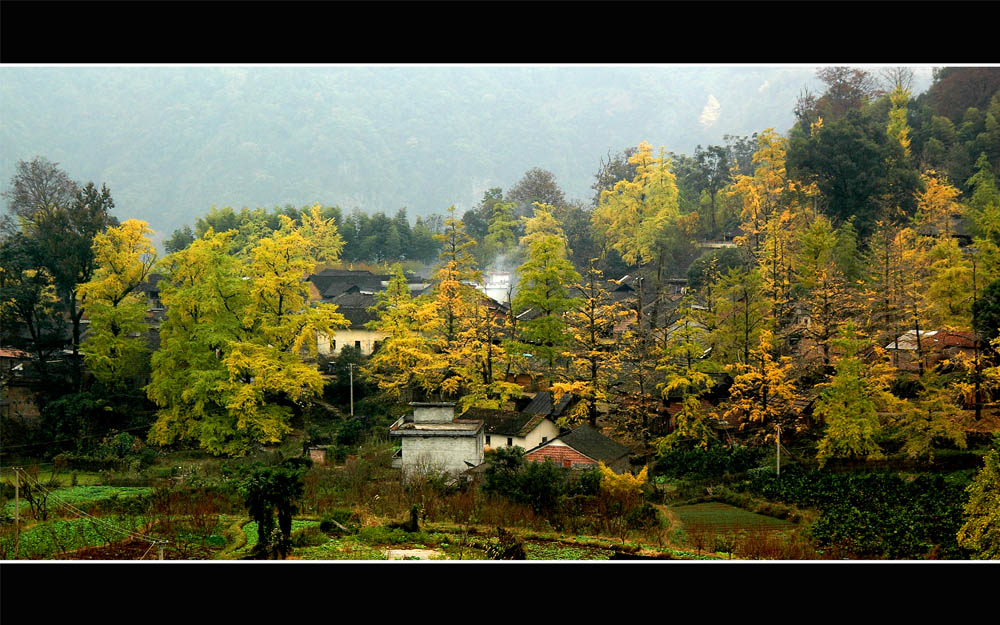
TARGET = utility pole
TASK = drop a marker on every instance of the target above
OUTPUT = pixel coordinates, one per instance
(777, 450)
(17, 510)
(350, 370)
(976, 397)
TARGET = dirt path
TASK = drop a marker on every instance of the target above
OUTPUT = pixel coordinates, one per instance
(403, 554)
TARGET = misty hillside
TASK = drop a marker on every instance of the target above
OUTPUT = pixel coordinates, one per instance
(172, 141)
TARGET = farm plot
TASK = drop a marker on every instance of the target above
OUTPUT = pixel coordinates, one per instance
(725, 529)
(69, 500)
(722, 518)
(544, 550)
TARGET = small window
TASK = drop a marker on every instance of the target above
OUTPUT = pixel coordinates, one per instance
(510, 441)
(333, 344)
(357, 344)
(487, 439)
(545, 439)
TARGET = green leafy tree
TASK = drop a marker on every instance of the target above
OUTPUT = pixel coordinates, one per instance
(851, 402)
(741, 312)
(28, 296)
(710, 175)
(501, 238)
(986, 312)
(537, 185)
(544, 288)
(181, 238)
(876, 175)
(822, 288)
(686, 378)
(271, 490)
(536, 484)
(981, 531)
(62, 219)
(984, 207)
(932, 417)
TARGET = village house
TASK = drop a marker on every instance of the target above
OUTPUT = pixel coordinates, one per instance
(510, 428)
(354, 304)
(10, 358)
(353, 292)
(582, 448)
(18, 394)
(434, 441)
(935, 346)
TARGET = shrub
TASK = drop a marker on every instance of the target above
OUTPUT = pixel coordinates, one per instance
(270, 489)
(309, 537)
(716, 461)
(506, 546)
(587, 483)
(643, 516)
(337, 454)
(384, 535)
(537, 484)
(350, 432)
(874, 514)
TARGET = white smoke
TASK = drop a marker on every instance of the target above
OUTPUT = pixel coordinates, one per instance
(710, 114)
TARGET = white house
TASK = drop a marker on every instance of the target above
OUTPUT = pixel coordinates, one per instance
(508, 428)
(354, 305)
(433, 440)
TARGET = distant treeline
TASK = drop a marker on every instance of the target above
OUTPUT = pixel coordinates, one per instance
(367, 238)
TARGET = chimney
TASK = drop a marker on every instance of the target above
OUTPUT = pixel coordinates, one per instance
(433, 412)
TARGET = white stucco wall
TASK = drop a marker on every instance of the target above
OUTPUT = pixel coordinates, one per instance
(434, 414)
(441, 453)
(545, 429)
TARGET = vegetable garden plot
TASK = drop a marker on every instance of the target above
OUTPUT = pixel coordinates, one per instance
(720, 517)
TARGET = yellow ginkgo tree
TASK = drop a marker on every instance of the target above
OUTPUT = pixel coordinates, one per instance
(763, 393)
(230, 373)
(620, 494)
(592, 351)
(405, 361)
(115, 348)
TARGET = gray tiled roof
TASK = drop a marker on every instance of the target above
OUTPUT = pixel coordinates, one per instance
(505, 422)
(542, 404)
(354, 305)
(593, 444)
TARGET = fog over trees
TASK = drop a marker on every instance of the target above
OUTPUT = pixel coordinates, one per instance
(174, 141)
